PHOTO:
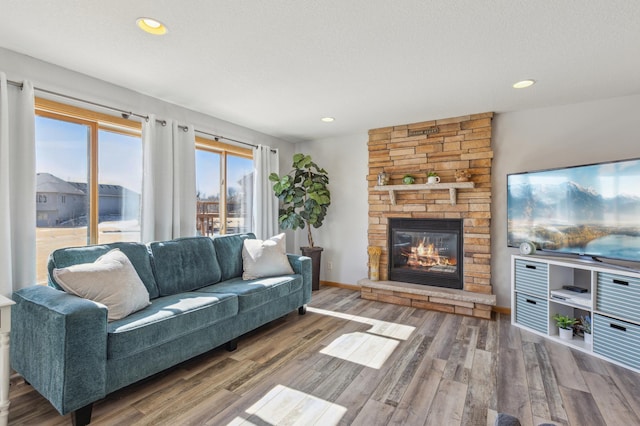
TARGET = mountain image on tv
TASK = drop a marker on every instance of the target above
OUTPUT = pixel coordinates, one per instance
(590, 210)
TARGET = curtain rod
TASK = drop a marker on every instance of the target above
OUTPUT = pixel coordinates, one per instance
(126, 114)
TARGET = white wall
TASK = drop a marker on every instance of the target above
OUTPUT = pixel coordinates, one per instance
(44, 75)
(544, 138)
(344, 232)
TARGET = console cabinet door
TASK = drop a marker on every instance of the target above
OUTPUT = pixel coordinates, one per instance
(619, 295)
(617, 340)
(532, 278)
(531, 312)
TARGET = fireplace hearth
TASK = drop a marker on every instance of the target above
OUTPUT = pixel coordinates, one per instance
(426, 251)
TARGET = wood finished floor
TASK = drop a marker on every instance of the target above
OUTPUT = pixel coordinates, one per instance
(353, 361)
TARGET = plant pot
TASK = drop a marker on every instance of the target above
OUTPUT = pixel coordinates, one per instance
(566, 333)
(588, 338)
(315, 253)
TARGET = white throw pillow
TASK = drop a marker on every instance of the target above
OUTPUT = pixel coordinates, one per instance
(111, 280)
(265, 258)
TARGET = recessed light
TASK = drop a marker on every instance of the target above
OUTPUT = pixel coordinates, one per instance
(151, 26)
(327, 119)
(524, 83)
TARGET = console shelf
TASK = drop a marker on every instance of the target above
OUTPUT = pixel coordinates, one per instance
(451, 186)
(611, 300)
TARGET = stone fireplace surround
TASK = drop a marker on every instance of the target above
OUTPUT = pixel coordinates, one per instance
(443, 146)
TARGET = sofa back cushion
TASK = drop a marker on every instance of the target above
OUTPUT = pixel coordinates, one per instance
(229, 252)
(184, 264)
(137, 253)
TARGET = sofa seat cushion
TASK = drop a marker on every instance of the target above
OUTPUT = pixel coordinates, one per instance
(184, 264)
(254, 293)
(166, 319)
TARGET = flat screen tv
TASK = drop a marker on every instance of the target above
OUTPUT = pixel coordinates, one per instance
(591, 210)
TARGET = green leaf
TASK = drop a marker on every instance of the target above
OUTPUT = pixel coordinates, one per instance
(274, 177)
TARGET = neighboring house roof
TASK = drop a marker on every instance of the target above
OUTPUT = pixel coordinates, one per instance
(103, 189)
(46, 182)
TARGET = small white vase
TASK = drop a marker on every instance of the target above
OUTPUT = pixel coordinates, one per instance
(566, 334)
(588, 338)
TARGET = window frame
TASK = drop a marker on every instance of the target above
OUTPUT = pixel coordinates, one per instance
(95, 121)
(223, 150)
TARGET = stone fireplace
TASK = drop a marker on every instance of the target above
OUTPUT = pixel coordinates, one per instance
(459, 283)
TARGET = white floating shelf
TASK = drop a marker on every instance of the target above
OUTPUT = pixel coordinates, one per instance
(451, 186)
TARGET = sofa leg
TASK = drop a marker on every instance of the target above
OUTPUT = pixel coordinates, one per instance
(232, 345)
(302, 310)
(82, 416)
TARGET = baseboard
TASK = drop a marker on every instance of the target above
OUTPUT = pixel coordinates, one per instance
(502, 310)
(340, 285)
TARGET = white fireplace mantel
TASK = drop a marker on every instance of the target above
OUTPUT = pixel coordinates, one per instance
(451, 186)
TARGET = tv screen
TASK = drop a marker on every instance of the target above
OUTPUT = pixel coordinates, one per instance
(591, 210)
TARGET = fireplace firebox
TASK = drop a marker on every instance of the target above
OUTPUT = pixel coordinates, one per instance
(426, 251)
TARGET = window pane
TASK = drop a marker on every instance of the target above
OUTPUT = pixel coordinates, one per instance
(208, 192)
(119, 187)
(62, 199)
(239, 194)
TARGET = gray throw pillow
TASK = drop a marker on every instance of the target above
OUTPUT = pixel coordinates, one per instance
(111, 280)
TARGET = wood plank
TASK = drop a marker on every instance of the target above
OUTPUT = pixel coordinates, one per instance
(482, 384)
(537, 395)
(581, 407)
(551, 387)
(414, 405)
(448, 405)
(513, 393)
(564, 365)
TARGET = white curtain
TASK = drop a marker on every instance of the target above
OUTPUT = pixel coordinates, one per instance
(265, 203)
(17, 187)
(169, 181)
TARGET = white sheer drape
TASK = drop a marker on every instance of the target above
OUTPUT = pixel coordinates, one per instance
(17, 187)
(169, 181)
(265, 203)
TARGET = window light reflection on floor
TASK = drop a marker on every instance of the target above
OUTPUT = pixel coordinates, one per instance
(382, 328)
(362, 348)
(283, 405)
(370, 348)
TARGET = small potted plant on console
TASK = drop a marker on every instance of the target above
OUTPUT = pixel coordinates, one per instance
(565, 326)
(585, 322)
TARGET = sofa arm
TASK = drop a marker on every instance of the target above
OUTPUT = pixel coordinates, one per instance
(59, 345)
(302, 265)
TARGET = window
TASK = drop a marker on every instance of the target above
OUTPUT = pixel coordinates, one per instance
(224, 184)
(89, 169)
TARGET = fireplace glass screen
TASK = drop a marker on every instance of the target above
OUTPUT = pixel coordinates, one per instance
(426, 252)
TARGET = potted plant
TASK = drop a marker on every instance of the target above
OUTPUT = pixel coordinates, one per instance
(565, 326)
(432, 177)
(585, 322)
(304, 198)
(408, 179)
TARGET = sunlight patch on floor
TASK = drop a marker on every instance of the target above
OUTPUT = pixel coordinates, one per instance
(362, 348)
(286, 406)
(382, 328)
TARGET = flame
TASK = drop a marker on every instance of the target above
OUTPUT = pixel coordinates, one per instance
(427, 255)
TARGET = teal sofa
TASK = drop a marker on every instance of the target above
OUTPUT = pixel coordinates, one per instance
(66, 349)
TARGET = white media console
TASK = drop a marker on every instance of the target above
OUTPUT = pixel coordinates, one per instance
(612, 300)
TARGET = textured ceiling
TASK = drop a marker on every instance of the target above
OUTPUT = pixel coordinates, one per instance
(278, 66)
